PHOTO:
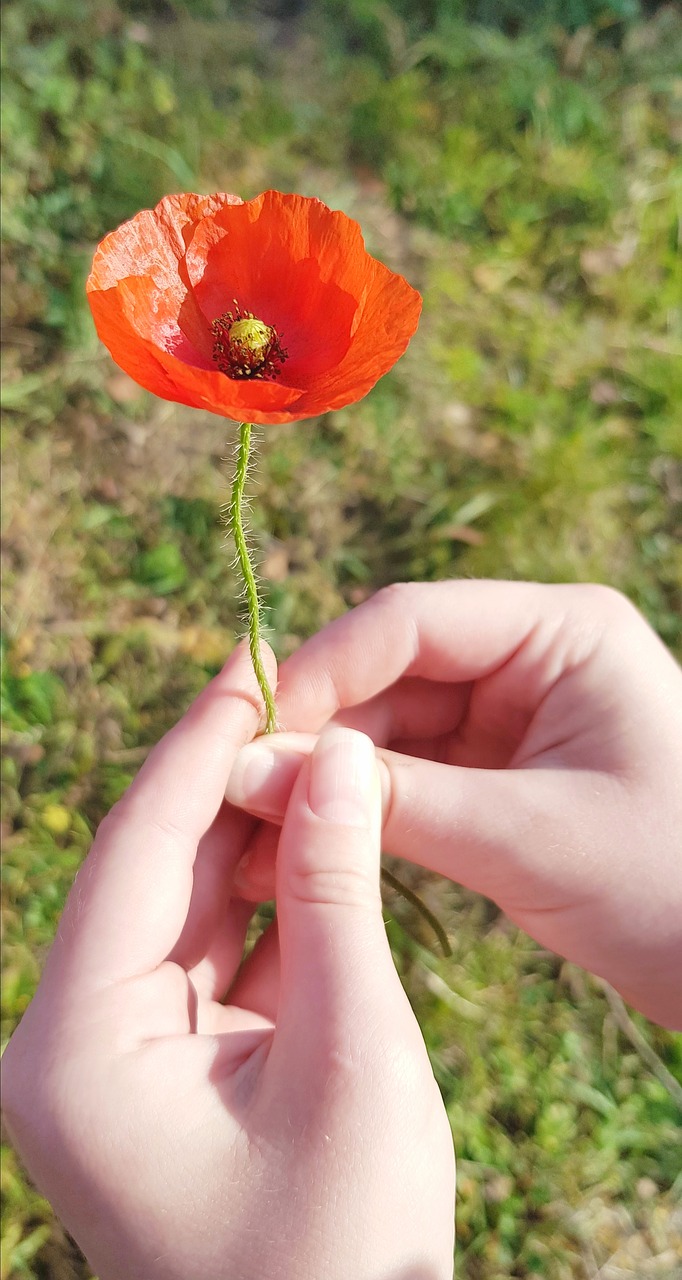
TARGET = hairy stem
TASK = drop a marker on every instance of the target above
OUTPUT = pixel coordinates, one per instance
(415, 901)
(247, 572)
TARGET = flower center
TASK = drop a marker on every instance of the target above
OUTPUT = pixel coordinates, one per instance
(246, 347)
(252, 334)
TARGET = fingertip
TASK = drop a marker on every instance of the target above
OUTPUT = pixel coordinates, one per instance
(264, 772)
(342, 783)
(255, 874)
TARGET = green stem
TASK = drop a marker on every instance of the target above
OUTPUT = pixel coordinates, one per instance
(246, 567)
(254, 616)
(413, 898)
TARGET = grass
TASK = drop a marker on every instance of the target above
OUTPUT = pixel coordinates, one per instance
(530, 186)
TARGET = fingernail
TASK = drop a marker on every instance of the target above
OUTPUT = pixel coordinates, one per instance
(343, 775)
(240, 879)
(252, 777)
(263, 773)
(255, 764)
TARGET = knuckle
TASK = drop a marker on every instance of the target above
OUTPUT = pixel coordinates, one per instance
(591, 616)
(605, 603)
(115, 821)
(127, 813)
(404, 603)
(338, 886)
(397, 595)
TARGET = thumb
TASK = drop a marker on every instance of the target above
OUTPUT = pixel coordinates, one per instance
(487, 829)
(331, 928)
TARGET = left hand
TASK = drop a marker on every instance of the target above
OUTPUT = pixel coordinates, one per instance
(291, 1129)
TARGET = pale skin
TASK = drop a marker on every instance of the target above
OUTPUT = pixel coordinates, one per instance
(191, 1118)
(530, 748)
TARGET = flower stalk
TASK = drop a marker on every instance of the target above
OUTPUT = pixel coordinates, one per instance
(248, 574)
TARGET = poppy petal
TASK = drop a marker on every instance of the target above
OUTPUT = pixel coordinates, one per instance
(387, 319)
(265, 257)
(314, 319)
(159, 281)
(144, 258)
(171, 378)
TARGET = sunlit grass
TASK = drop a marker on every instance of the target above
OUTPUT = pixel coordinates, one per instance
(531, 190)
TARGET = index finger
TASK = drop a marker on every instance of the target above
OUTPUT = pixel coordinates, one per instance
(453, 631)
(130, 899)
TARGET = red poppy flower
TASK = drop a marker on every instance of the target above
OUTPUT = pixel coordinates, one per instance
(265, 310)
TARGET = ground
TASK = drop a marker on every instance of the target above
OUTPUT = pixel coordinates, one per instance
(529, 186)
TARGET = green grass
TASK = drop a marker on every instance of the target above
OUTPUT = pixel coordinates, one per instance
(531, 188)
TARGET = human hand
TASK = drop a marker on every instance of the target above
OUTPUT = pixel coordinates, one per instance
(535, 737)
(292, 1130)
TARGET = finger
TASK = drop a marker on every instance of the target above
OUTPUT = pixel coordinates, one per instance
(412, 708)
(495, 831)
(261, 783)
(254, 877)
(220, 850)
(130, 901)
(335, 959)
(232, 1023)
(264, 772)
(267, 775)
(462, 823)
(212, 975)
(520, 838)
(446, 631)
(476, 724)
(466, 824)
(256, 986)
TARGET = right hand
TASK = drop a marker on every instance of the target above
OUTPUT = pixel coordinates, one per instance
(531, 749)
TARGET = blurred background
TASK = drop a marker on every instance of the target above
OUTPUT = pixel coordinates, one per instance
(520, 163)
